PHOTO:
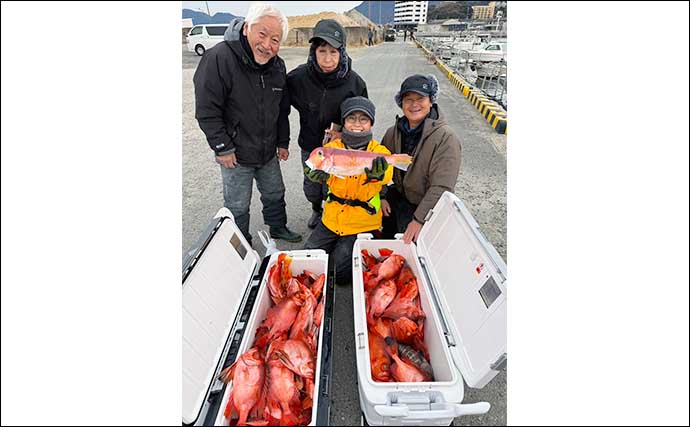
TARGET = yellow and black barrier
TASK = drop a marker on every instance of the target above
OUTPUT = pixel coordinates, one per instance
(494, 114)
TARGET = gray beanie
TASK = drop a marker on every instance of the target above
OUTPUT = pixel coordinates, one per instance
(357, 103)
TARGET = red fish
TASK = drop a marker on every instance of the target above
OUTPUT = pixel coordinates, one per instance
(369, 260)
(279, 319)
(408, 290)
(380, 298)
(278, 278)
(403, 308)
(390, 267)
(342, 163)
(380, 362)
(385, 252)
(370, 281)
(401, 370)
(305, 317)
(247, 375)
(382, 327)
(282, 401)
(295, 355)
(317, 287)
(405, 276)
(406, 331)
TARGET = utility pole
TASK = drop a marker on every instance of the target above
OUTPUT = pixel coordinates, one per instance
(380, 12)
(208, 12)
(369, 3)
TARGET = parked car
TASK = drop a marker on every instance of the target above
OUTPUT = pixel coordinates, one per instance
(390, 36)
(203, 37)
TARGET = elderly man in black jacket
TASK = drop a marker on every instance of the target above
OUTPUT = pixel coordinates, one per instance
(242, 106)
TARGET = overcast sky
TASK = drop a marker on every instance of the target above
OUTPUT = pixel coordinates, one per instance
(289, 8)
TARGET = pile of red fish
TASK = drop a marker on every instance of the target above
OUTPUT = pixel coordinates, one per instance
(273, 382)
(395, 320)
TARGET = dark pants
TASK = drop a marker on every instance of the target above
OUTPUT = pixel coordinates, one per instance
(237, 192)
(402, 213)
(315, 192)
(338, 247)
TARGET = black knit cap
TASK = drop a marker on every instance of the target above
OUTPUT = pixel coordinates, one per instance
(357, 103)
(330, 31)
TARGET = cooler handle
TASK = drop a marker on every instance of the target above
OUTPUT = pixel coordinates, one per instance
(449, 410)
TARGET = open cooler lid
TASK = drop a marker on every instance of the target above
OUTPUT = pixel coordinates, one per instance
(212, 292)
(468, 278)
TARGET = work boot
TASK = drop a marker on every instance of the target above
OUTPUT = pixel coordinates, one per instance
(315, 219)
(284, 234)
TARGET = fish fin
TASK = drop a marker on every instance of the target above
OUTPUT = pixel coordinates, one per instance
(227, 373)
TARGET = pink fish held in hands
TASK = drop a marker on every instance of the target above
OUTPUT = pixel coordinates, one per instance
(339, 162)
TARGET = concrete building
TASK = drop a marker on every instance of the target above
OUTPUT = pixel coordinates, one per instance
(484, 13)
(410, 13)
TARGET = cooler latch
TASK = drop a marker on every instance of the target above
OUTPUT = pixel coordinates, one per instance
(450, 340)
(500, 363)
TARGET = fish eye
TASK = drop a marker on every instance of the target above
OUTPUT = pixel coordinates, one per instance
(320, 153)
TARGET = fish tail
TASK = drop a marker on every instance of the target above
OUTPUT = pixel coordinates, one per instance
(401, 161)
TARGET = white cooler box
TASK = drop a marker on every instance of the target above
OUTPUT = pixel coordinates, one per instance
(462, 286)
(224, 299)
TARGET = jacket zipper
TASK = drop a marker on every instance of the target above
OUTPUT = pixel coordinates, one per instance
(262, 119)
(323, 99)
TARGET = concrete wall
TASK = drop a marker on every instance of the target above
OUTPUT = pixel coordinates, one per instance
(185, 31)
(356, 36)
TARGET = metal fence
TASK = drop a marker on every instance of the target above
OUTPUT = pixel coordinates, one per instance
(463, 57)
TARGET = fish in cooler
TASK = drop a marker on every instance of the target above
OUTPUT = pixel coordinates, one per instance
(273, 382)
(395, 319)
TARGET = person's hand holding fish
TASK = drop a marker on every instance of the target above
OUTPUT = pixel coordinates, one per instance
(377, 171)
(315, 175)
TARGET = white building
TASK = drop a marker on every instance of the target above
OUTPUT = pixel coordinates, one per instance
(410, 13)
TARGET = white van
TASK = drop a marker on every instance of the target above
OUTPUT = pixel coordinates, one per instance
(202, 37)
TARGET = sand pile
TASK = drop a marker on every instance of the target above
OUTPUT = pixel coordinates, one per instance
(309, 21)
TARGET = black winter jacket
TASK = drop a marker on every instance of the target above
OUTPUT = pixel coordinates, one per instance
(240, 106)
(318, 100)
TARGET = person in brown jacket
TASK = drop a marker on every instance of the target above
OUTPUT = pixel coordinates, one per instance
(422, 133)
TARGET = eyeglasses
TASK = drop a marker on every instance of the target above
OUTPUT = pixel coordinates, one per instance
(354, 119)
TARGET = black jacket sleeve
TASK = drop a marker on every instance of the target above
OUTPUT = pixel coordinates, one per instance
(283, 119)
(211, 90)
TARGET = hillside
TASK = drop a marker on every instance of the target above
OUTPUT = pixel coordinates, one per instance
(199, 18)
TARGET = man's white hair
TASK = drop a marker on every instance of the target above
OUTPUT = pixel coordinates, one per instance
(258, 10)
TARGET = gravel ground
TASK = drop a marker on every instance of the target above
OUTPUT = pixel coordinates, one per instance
(481, 185)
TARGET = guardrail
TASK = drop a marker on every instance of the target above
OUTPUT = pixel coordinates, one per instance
(495, 115)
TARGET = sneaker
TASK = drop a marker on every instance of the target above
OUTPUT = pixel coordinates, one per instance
(284, 234)
(314, 220)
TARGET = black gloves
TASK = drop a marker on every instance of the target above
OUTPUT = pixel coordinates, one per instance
(377, 171)
(315, 175)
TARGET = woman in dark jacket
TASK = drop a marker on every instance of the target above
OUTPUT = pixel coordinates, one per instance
(316, 90)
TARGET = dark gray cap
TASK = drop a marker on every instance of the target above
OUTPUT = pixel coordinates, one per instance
(357, 103)
(330, 31)
(418, 83)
